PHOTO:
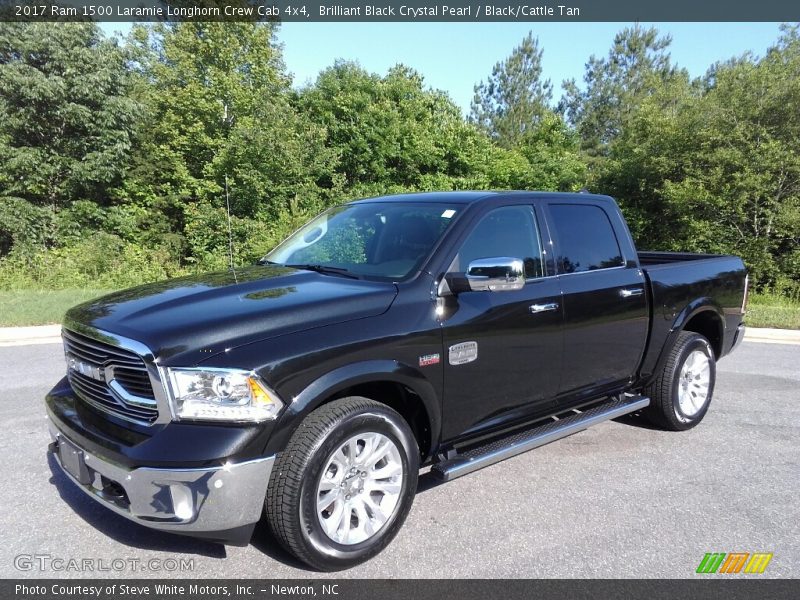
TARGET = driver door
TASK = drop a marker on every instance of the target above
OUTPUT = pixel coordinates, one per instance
(502, 349)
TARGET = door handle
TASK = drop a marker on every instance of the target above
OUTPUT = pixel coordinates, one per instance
(633, 292)
(537, 308)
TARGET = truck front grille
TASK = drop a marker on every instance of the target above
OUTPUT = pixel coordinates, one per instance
(109, 378)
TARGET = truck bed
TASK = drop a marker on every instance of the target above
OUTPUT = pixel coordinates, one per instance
(710, 279)
(651, 259)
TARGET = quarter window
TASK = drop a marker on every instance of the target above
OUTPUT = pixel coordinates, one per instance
(508, 231)
(585, 237)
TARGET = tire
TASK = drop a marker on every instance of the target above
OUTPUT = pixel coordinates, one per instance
(678, 398)
(317, 465)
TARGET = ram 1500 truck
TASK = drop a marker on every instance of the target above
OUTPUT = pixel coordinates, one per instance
(446, 329)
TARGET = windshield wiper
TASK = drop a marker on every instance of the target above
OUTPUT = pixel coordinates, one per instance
(325, 269)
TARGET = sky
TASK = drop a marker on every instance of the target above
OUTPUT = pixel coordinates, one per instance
(455, 56)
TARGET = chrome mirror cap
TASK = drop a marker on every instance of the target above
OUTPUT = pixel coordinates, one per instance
(499, 274)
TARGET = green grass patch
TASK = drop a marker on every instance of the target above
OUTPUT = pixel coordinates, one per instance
(40, 307)
(771, 310)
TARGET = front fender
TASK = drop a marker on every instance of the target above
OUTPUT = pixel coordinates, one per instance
(333, 382)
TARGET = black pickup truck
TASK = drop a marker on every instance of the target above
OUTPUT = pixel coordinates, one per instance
(446, 329)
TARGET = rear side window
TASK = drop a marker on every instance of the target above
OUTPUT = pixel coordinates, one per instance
(586, 238)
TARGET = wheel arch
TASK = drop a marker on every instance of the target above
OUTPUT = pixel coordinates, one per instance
(703, 316)
(711, 325)
(397, 385)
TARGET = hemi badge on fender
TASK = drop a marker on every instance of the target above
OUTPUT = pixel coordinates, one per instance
(463, 353)
(429, 359)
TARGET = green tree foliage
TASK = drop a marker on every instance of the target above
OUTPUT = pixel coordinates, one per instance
(390, 132)
(637, 65)
(552, 151)
(221, 106)
(114, 157)
(534, 148)
(66, 117)
(514, 99)
(716, 168)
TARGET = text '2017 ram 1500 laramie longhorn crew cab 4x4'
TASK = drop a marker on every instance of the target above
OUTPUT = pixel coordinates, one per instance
(454, 329)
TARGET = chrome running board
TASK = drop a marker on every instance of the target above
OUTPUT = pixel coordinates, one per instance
(500, 449)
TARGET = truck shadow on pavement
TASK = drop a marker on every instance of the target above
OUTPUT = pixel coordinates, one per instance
(428, 481)
(265, 542)
(637, 420)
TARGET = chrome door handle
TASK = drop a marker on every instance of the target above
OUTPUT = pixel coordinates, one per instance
(537, 308)
(633, 292)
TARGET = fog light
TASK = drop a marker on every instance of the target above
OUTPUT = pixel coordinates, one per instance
(182, 505)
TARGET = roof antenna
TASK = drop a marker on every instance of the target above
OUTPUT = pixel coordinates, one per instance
(584, 191)
(230, 226)
(228, 202)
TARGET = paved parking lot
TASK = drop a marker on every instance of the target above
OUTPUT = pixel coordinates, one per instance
(618, 500)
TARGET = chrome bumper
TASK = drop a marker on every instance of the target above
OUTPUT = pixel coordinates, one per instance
(191, 501)
(738, 337)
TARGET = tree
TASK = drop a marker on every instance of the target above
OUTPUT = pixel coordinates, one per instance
(744, 174)
(514, 99)
(66, 119)
(718, 171)
(637, 65)
(221, 111)
(390, 132)
(553, 154)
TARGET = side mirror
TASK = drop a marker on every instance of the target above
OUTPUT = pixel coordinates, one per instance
(501, 274)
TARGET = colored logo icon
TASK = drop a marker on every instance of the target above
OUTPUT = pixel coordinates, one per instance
(734, 562)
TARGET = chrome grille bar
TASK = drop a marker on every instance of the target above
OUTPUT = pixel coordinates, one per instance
(110, 378)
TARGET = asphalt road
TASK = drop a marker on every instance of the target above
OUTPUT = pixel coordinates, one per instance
(618, 500)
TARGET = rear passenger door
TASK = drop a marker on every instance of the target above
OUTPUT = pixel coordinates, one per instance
(603, 295)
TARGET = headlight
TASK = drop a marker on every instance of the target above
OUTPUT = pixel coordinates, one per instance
(221, 395)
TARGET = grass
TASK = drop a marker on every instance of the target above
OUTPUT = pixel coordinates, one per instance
(40, 307)
(770, 310)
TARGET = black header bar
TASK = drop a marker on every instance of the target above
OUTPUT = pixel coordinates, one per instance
(733, 588)
(369, 11)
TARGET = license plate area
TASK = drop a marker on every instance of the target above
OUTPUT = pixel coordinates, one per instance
(73, 461)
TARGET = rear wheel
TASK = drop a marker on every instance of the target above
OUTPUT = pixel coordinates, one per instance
(681, 395)
(342, 488)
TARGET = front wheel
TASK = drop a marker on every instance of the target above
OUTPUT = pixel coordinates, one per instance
(343, 486)
(681, 394)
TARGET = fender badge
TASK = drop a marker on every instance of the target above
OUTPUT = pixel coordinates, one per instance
(463, 353)
(429, 359)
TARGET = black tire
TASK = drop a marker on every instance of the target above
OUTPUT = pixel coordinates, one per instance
(665, 408)
(291, 495)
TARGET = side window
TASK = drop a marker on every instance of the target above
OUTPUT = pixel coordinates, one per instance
(507, 231)
(586, 238)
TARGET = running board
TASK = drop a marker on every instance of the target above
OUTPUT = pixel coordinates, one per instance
(550, 431)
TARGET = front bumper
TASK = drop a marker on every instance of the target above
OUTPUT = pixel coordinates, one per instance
(738, 337)
(218, 503)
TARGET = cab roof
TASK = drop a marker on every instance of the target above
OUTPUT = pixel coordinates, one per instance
(470, 197)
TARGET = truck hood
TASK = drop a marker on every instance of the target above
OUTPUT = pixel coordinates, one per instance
(186, 320)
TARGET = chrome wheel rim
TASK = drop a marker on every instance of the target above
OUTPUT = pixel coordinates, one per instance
(695, 379)
(359, 489)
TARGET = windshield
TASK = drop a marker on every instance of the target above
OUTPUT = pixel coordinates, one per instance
(381, 239)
